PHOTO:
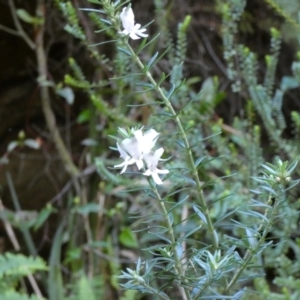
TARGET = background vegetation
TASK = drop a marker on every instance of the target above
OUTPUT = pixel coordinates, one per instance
(69, 225)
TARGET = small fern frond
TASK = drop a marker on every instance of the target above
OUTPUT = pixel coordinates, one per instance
(20, 265)
(17, 296)
(85, 290)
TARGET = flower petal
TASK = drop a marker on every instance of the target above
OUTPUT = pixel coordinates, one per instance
(123, 153)
(139, 163)
(127, 18)
(151, 134)
(158, 153)
(147, 173)
(142, 34)
(150, 138)
(156, 178)
(127, 162)
(134, 36)
(158, 171)
(131, 146)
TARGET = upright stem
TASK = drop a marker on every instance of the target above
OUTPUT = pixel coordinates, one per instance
(251, 252)
(199, 194)
(178, 266)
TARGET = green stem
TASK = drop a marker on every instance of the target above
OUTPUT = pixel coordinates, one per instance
(250, 253)
(199, 194)
(178, 266)
(25, 231)
(148, 287)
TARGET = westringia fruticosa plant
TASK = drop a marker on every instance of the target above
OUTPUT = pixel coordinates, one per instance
(204, 236)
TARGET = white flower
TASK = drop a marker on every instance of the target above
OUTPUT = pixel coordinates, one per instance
(134, 31)
(133, 149)
(151, 160)
(148, 140)
(127, 160)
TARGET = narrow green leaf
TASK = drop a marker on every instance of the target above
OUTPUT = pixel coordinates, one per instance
(144, 104)
(161, 79)
(93, 10)
(171, 91)
(151, 61)
(162, 55)
(181, 202)
(144, 84)
(187, 179)
(255, 214)
(251, 236)
(141, 46)
(180, 143)
(152, 40)
(55, 281)
(199, 161)
(117, 4)
(292, 167)
(268, 189)
(293, 184)
(200, 214)
(125, 76)
(183, 238)
(226, 216)
(125, 51)
(102, 43)
(270, 170)
(239, 224)
(160, 236)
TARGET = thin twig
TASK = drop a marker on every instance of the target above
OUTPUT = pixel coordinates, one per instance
(45, 97)
(8, 30)
(18, 25)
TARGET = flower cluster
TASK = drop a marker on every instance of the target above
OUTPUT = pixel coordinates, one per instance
(136, 148)
(134, 31)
